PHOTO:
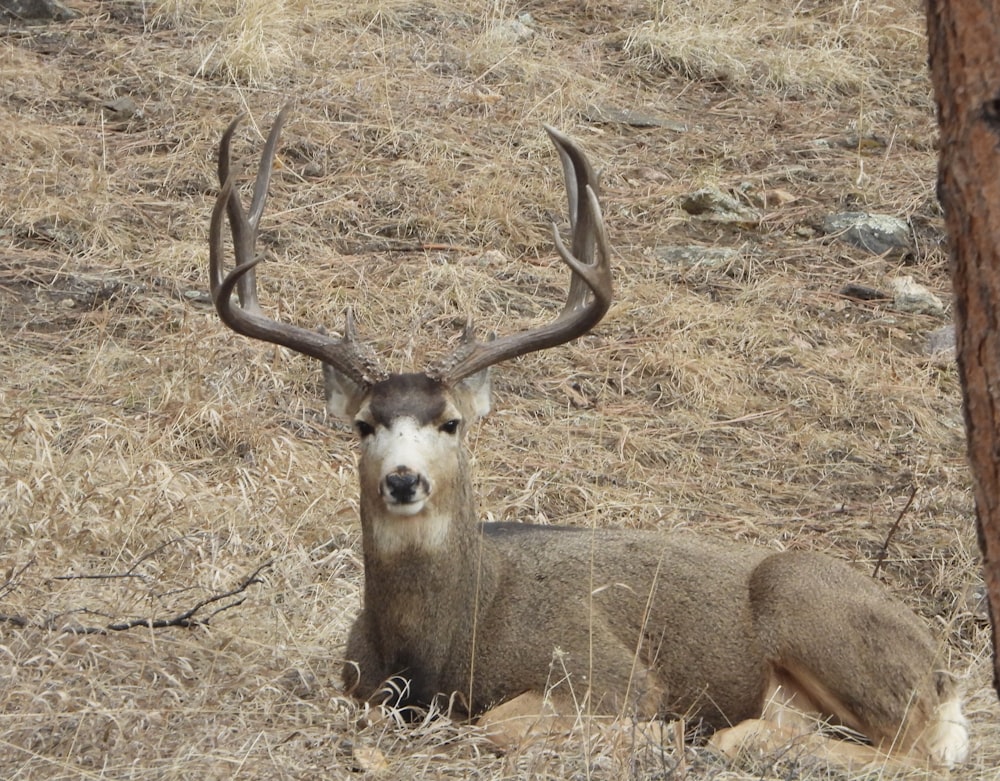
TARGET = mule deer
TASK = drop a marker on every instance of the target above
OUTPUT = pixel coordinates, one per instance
(756, 643)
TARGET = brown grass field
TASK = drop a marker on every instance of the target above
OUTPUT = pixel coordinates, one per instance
(154, 463)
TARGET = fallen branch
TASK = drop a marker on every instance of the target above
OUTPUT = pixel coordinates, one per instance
(131, 571)
(13, 581)
(187, 619)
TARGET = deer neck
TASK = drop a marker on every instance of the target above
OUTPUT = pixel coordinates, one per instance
(443, 542)
(443, 577)
(426, 563)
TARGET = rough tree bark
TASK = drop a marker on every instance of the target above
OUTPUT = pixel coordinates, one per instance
(964, 39)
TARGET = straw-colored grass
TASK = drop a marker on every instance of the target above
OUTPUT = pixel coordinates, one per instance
(151, 460)
(797, 49)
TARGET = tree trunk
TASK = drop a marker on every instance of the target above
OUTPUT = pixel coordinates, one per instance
(964, 38)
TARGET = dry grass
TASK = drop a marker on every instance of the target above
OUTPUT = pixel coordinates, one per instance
(151, 459)
(801, 50)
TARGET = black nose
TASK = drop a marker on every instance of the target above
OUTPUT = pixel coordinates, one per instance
(402, 485)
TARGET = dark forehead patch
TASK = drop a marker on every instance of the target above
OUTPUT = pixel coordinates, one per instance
(407, 395)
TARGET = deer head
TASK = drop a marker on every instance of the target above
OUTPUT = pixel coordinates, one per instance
(413, 466)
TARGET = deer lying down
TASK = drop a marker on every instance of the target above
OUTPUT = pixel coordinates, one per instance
(755, 643)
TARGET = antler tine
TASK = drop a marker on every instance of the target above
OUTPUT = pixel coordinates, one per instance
(590, 288)
(587, 225)
(244, 233)
(349, 356)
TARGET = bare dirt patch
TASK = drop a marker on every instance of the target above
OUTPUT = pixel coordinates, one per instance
(152, 460)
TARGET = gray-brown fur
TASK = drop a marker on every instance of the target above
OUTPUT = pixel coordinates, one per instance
(488, 615)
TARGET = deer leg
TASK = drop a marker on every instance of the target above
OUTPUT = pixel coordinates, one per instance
(929, 731)
(945, 738)
(790, 717)
(766, 738)
(364, 674)
(796, 706)
(523, 720)
(839, 643)
(532, 718)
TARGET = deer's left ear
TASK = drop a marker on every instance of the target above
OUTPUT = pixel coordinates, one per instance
(476, 388)
(343, 395)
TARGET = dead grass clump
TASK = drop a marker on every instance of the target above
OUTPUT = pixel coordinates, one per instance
(242, 42)
(796, 51)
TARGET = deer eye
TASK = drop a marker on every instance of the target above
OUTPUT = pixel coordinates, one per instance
(364, 429)
(449, 427)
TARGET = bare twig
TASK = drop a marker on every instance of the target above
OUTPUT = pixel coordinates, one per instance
(131, 571)
(885, 545)
(13, 581)
(188, 617)
(8, 586)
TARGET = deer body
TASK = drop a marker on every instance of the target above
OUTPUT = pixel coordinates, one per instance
(750, 641)
(609, 621)
(499, 633)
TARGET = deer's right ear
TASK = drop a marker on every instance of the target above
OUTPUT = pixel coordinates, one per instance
(343, 395)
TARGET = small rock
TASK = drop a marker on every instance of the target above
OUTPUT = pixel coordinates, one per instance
(875, 233)
(908, 296)
(976, 601)
(941, 342)
(712, 204)
(198, 296)
(516, 30)
(693, 256)
(312, 170)
(38, 10)
(122, 108)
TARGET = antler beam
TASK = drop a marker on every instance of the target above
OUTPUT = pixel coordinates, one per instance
(347, 355)
(588, 297)
(590, 288)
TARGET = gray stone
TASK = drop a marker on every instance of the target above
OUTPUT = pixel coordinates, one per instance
(875, 233)
(517, 30)
(941, 342)
(694, 256)
(712, 204)
(908, 296)
(122, 108)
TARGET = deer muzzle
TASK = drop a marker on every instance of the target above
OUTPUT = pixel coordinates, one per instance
(404, 491)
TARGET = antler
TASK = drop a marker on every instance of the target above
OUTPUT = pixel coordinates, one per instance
(349, 356)
(589, 295)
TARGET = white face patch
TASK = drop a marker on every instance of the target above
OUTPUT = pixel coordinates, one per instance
(396, 535)
(409, 464)
(400, 454)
